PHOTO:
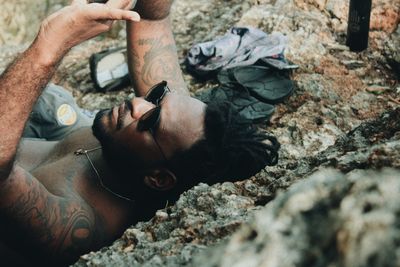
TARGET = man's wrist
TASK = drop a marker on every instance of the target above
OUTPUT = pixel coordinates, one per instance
(153, 10)
(47, 54)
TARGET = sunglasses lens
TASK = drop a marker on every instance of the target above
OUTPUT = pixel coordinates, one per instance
(156, 94)
(149, 120)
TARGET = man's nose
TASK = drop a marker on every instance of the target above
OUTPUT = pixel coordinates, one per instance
(140, 106)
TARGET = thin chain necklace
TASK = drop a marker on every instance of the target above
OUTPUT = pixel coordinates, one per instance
(85, 152)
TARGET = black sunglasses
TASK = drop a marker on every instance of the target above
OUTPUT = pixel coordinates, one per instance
(151, 119)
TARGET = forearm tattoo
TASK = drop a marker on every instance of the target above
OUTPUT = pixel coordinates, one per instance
(159, 62)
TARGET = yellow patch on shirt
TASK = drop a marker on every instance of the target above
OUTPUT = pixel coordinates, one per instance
(66, 115)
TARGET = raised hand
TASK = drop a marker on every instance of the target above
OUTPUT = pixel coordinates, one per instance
(81, 21)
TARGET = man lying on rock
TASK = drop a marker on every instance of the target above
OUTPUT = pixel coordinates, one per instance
(60, 199)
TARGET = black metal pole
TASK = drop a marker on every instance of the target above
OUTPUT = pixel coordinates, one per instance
(358, 24)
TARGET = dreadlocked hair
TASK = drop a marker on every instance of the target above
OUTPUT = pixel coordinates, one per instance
(232, 149)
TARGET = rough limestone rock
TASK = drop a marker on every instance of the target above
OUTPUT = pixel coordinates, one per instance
(200, 217)
(204, 215)
(20, 19)
(330, 219)
(343, 115)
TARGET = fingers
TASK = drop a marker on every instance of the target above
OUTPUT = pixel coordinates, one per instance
(78, 2)
(118, 14)
(104, 12)
(123, 4)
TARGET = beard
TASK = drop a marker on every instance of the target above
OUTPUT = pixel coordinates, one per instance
(122, 161)
(128, 167)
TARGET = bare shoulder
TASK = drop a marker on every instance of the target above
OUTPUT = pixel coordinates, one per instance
(32, 152)
(61, 227)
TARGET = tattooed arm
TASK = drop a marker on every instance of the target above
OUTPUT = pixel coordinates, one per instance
(152, 52)
(58, 225)
(22, 83)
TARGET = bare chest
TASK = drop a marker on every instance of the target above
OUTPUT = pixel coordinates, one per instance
(68, 176)
(55, 166)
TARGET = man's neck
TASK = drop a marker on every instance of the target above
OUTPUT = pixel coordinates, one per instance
(107, 177)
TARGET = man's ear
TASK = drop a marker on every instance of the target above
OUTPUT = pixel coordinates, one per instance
(160, 179)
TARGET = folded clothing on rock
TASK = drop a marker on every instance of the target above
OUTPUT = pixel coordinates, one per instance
(247, 106)
(264, 83)
(241, 46)
(250, 67)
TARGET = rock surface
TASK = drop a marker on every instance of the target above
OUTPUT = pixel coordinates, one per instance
(343, 116)
(330, 219)
(333, 204)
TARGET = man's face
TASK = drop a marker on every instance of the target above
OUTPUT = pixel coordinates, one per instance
(130, 150)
